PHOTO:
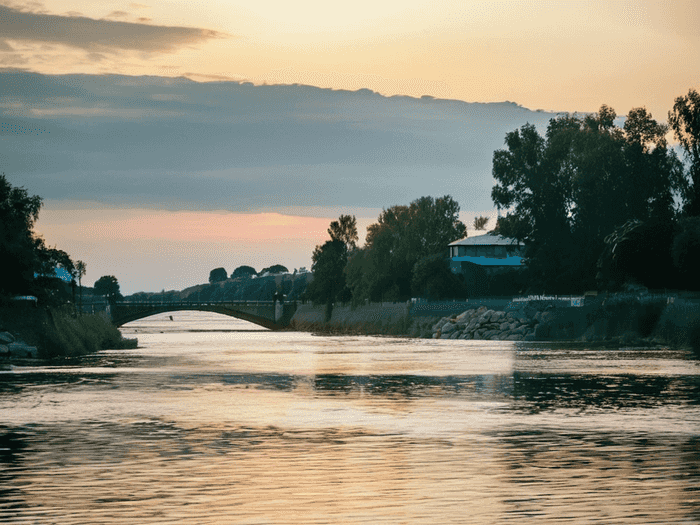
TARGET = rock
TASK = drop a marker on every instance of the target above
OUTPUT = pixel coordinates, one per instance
(448, 328)
(6, 337)
(513, 337)
(455, 334)
(504, 326)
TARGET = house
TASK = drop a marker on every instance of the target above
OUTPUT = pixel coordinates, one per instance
(487, 262)
(486, 250)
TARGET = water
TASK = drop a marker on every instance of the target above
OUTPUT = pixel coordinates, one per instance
(213, 421)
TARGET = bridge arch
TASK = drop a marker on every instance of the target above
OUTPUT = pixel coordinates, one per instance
(263, 313)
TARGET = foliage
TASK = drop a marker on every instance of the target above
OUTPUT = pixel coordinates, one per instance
(217, 275)
(29, 266)
(684, 119)
(637, 252)
(345, 231)
(567, 191)
(480, 222)
(108, 286)
(18, 245)
(686, 252)
(275, 268)
(383, 269)
(433, 280)
(243, 271)
(328, 267)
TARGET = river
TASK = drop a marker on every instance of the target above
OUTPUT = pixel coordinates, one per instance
(213, 421)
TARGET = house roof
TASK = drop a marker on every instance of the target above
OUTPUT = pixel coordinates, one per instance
(488, 239)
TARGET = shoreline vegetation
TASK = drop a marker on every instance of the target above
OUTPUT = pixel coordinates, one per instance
(51, 333)
(606, 323)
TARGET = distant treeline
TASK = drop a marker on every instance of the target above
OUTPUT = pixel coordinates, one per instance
(247, 288)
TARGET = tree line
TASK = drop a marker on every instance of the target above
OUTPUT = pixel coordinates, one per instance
(30, 266)
(597, 206)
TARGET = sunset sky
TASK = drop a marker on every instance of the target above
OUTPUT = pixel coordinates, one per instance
(554, 56)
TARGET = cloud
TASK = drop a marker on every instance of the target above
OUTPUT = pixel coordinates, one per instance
(118, 14)
(97, 35)
(177, 144)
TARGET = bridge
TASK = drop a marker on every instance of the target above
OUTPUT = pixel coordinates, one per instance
(269, 314)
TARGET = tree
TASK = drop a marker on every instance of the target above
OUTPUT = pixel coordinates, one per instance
(18, 245)
(108, 287)
(80, 269)
(686, 251)
(565, 192)
(275, 268)
(243, 271)
(402, 236)
(345, 231)
(433, 280)
(684, 119)
(329, 261)
(217, 275)
(480, 222)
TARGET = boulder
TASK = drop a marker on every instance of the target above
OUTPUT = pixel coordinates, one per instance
(6, 337)
(448, 328)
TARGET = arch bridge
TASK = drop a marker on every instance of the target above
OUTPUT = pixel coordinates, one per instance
(269, 314)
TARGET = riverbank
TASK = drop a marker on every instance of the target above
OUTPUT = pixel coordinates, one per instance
(612, 321)
(34, 333)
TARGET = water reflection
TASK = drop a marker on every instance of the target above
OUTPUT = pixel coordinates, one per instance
(219, 427)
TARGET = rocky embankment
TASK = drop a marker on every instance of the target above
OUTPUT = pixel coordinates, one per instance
(485, 324)
(13, 347)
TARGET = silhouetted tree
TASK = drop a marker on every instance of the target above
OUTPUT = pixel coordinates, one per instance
(217, 275)
(329, 279)
(433, 280)
(383, 269)
(480, 222)
(686, 252)
(275, 268)
(345, 231)
(243, 271)
(108, 287)
(567, 191)
(18, 245)
(684, 119)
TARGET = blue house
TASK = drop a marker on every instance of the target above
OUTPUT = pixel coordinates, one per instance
(488, 263)
(486, 250)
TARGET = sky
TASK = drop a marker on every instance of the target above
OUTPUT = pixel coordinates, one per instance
(174, 137)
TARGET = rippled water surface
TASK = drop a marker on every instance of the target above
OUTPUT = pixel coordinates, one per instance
(213, 421)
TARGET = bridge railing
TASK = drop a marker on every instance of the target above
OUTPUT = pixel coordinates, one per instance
(193, 303)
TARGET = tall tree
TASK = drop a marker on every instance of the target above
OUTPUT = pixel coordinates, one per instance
(217, 275)
(684, 119)
(402, 236)
(328, 267)
(108, 287)
(480, 222)
(243, 271)
(345, 231)
(565, 192)
(80, 269)
(18, 245)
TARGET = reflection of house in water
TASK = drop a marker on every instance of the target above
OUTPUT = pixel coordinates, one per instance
(484, 260)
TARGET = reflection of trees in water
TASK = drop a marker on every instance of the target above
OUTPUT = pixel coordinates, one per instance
(12, 445)
(535, 392)
(625, 472)
(414, 385)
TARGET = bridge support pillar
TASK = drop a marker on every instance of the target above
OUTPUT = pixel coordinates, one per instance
(279, 310)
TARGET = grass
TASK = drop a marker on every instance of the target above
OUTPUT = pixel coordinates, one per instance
(60, 332)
